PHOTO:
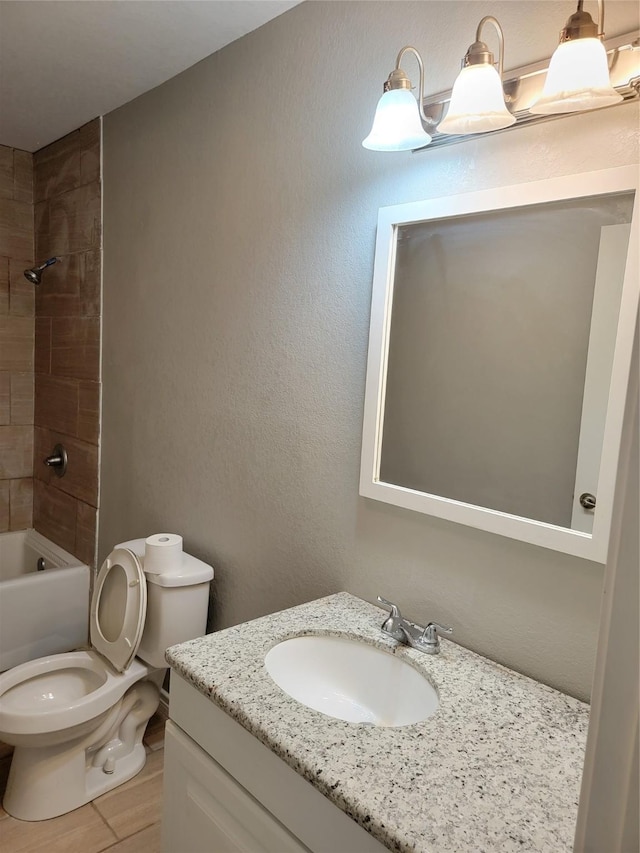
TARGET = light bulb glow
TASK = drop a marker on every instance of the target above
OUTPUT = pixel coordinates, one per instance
(578, 79)
(477, 103)
(396, 124)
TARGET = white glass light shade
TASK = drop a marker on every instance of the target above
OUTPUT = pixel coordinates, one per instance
(477, 102)
(396, 124)
(577, 79)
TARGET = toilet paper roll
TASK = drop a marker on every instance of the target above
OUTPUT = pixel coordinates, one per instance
(163, 553)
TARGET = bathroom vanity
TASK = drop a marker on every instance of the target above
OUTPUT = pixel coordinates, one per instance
(248, 768)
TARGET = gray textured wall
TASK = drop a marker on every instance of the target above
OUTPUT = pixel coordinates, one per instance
(239, 217)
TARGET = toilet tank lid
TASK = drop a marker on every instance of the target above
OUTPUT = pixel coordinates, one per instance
(191, 571)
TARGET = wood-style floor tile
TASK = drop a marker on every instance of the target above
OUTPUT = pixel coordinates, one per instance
(79, 831)
(138, 803)
(145, 841)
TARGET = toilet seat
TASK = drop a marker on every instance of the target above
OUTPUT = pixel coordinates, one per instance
(52, 698)
(62, 691)
(118, 608)
(36, 697)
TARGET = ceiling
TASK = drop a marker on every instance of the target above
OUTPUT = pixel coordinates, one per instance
(64, 62)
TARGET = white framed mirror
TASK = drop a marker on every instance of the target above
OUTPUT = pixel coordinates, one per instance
(500, 344)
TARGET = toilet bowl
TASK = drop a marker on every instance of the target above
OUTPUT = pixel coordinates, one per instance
(53, 699)
(77, 719)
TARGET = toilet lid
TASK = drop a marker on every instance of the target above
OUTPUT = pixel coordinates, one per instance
(118, 608)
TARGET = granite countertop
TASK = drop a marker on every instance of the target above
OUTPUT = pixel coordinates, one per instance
(496, 768)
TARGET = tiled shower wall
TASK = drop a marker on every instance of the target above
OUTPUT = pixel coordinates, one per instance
(16, 339)
(53, 331)
(67, 198)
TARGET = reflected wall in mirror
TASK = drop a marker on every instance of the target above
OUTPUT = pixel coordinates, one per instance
(499, 352)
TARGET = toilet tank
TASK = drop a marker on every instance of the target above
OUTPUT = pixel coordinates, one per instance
(177, 605)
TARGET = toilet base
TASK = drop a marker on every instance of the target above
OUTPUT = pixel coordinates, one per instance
(46, 782)
(47, 800)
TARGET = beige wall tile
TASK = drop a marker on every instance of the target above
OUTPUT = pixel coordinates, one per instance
(41, 238)
(57, 173)
(75, 347)
(4, 505)
(89, 412)
(17, 304)
(23, 175)
(54, 515)
(22, 294)
(59, 167)
(72, 287)
(86, 521)
(16, 344)
(90, 158)
(74, 220)
(21, 504)
(81, 478)
(42, 355)
(16, 229)
(79, 831)
(4, 285)
(56, 404)
(16, 452)
(5, 398)
(22, 391)
(43, 444)
(61, 280)
(6, 172)
(64, 145)
(67, 335)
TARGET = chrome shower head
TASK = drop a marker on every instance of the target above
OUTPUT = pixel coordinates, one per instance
(34, 275)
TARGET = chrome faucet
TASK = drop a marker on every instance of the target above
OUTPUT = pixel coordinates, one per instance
(425, 639)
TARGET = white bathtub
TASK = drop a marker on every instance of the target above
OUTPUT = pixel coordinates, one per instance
(41, 612)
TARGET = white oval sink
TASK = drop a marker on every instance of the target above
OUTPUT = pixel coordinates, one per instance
(351, 681)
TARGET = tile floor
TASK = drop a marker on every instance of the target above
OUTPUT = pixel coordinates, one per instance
(125, 820)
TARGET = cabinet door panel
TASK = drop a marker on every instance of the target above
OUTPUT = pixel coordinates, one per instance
(206, 811)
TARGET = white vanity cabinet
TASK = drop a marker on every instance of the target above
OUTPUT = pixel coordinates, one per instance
(206, 809)
(224, 792)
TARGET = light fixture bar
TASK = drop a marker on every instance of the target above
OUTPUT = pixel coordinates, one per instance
(523, 85)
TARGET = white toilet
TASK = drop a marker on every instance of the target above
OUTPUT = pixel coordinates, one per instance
(77, 719)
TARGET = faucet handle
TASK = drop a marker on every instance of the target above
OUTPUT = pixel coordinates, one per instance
(430, 633)
(392, 625)
(395, 610)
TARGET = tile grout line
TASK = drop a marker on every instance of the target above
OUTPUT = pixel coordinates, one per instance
(128, 837)
(106, 823)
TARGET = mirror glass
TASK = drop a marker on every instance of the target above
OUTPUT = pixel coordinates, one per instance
(498, 344)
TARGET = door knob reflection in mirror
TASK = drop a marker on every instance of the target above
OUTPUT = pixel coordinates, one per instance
(587, 500)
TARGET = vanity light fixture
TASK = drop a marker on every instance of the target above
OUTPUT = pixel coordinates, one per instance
(578, 76)
(477, 101)
(397, 123)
